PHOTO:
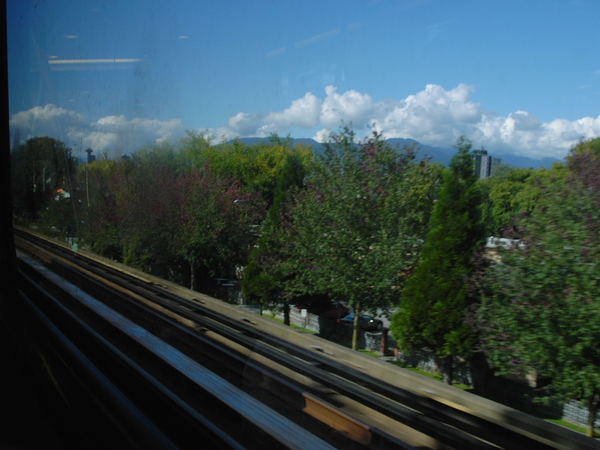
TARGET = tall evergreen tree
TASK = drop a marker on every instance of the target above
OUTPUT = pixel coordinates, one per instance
(434, 302)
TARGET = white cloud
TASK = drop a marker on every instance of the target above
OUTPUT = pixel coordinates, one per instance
(221, 133)
(244, 124)
(433, 116)
(121, 135)
(322, 135)
(112, 134)
(303, 112)
(100, 141)
(351, 106)
(46, 120)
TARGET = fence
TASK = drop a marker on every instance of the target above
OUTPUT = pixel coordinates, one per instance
(474, 373)
(517, 394)
(304, 319)
(575, 413)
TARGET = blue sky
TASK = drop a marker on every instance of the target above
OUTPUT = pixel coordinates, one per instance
(514, 76)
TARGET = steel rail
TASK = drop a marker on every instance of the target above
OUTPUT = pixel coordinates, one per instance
(226, 411)
(245, 364)
(420, 412)
(245, 335)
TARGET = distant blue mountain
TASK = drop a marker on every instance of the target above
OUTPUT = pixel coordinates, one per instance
(523, 161)
(444, 155)
(436, 154)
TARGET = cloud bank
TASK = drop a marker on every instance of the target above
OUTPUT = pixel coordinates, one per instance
(434, 116)
(115, 135)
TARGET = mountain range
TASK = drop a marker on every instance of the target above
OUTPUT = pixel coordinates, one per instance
(436, 154)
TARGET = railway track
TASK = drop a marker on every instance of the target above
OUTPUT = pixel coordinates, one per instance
(298, 391)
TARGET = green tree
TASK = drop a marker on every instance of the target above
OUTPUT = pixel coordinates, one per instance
(195, 148)
(351, 233)
(97, 182)
(435, 300)
(264, 279)
(214, 235)
(504, 198)
(39, 168)
(257, 166)
(540, 312)
(146, 205)
(58, 218)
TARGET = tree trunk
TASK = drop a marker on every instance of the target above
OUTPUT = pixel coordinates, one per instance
(355, 328)
(446, 367)
(286, 313)
(593, 412)
(193, 278)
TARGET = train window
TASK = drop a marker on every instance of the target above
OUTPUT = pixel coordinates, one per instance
(164, 135)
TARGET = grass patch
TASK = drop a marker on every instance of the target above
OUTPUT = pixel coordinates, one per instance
(439, 378)
(569, 425)
(433, 376)
(277, 319)
(370, 353)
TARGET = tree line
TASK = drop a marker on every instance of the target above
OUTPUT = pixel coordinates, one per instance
(379, 227)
